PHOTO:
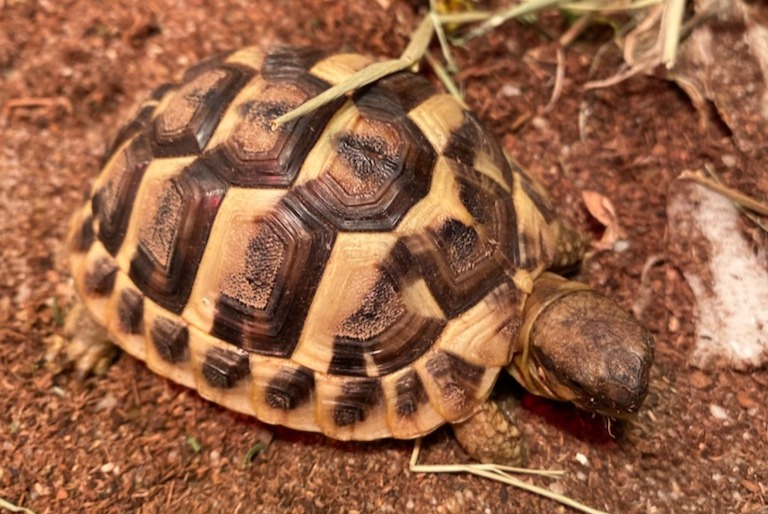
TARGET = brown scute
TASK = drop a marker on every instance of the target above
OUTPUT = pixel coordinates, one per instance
(288, 62)
(492, 209)
(370, 160)
(265, 256)
(137, 125)
(257, 156)
(159, 233)
(130, 311)
(410, 394)
(113, 202)
(456, 379)
(398, 93)
(204, 66)
(398, 346)
(202, 192)
(275, 329)
(83, 237)
(223, 369)
(463, 143)
(290, 388)
(542, 203)
(384, 330)
(171, 340)
(187, 123)
(387, 174)
(381, 307)
(100, 277)
(461, 246)
(457, 274)
(357, 399)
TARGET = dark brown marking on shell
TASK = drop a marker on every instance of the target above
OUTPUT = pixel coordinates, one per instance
(386, 177)
(83, 238)
(410, 394)
(456, 378)
(211, 63)
(290, 388)
(356, 400)
(130, 311)
(99, 278)
(400, 92)
(383, 328)
(470, 139)
(462, 263)
(113, 202)
(201, 193)
(204, 104)
(459, 268)
(395, 348)
(171, 340)
(492, 208)
(223, 369)
(136, 126)
(242, 160)
(464, 141)
(287, 63)
(542, 203)
(275, 329)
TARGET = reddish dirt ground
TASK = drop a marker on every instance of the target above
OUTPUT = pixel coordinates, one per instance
(71, 71)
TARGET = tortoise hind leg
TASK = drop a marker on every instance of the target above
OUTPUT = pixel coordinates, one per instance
(491, 436)
(89, 347)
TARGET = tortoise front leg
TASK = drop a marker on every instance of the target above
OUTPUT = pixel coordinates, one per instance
(491, 436)
(89, 347)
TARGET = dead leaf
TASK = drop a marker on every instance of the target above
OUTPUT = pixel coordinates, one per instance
(601, 208)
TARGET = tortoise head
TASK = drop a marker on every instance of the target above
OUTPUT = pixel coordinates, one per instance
(577, 345)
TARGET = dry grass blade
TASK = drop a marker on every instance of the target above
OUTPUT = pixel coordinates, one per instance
(736, 197)
(501, 17)
(411, 55)
(501, 474)
(746, 204)
(10, 507)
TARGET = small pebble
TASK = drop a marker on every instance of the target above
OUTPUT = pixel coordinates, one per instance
(728, 160)
(582, 459)
(717, 411)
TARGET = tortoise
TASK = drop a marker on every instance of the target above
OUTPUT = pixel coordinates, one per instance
(365, 271)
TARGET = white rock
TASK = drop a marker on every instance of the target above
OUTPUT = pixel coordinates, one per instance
(728, 280)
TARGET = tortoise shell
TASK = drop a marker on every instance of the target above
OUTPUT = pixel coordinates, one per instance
(360, 271)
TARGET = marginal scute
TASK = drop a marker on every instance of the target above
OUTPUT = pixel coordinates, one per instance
(99, 279)
(171, 340)
(130, 311)
(358, 397)
(410, 394)
(83, 236)
(458, 383)
(224, 369)
(290, 388)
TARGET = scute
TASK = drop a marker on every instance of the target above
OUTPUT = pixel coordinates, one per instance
(352, 272)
